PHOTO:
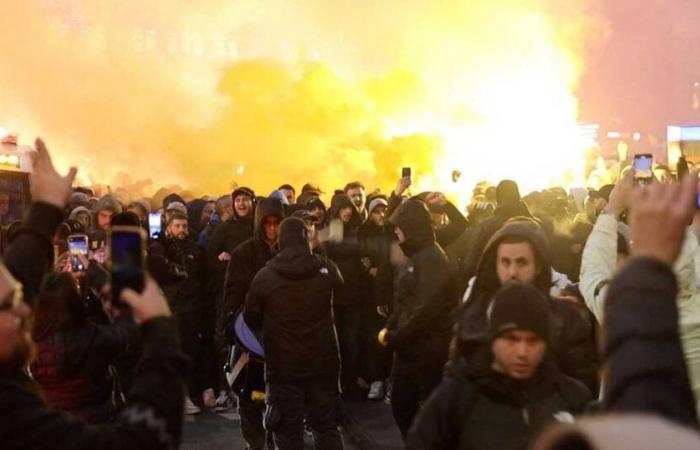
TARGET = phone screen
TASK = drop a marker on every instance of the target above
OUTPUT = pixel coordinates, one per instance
(155, 225)
(126, 247)
(77, 247)
(643, 167)
(406, 172)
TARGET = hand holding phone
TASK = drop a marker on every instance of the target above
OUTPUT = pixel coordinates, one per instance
(127, 261)
(155, 225)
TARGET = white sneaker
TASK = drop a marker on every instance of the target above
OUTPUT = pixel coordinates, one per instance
(376, 391)
(191, 408)
(223, 402)
(208, 398)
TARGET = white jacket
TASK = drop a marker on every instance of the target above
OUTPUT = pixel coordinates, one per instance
(598, 268)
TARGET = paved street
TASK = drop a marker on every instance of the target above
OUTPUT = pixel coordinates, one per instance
(369, 425)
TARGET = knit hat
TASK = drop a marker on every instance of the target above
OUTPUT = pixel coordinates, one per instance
(293, 232)
(376, 202)
(520, 306)
(108, 203)
(177, 206)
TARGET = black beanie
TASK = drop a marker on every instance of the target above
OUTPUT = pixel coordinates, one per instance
(519, 306)
(293, 232)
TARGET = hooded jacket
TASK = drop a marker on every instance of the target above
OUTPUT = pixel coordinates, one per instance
(482, 234)
(424, 294)
(194, 216)
(250, 256)
(574, 346)
(477, 408)
(377, 248)
(291, 300)
(225, 238)
(347, 254)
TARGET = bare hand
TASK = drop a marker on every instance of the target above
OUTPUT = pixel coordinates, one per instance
(383, 310)
(403, 184)
(224, 256)
(659, 215)
(47, 185)
(366, 262)
(147, 305)
(620, 196)
(373, 272)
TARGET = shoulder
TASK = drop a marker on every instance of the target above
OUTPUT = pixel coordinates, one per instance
(574, 393)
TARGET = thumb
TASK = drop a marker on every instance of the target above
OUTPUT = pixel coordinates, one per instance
(129, 296)
(71, 175)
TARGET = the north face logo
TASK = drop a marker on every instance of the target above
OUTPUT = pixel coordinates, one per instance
(324, 271)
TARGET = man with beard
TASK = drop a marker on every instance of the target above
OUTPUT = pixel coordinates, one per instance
(290, 299)
(519, 253)
(153, 418)
(246, 260)
(356, 192)
(177, 265)
(224, 239)
(420, 327)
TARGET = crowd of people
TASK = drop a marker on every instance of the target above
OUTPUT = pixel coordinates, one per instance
(481, 328)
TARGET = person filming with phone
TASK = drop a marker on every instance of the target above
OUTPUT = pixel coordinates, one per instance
(153, 417)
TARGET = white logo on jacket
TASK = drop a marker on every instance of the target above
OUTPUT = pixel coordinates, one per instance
(564, 417)
(324, 271)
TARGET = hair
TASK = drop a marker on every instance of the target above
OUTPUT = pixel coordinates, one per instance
(139, 206)
(288, 187)
(353, 185)
(221, 204)
(175, 215)
(60, 305)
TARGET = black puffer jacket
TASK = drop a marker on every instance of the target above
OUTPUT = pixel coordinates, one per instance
(347, 254)
(476, 408)
(250, 256)
(573, 345)
(424, 294)
(291, 300)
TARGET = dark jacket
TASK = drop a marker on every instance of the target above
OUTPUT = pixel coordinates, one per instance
(71, 367)
(225, 238)
(424, 294)
(573, 350)
(250, 256)
(178, 267)
(194, 216)
(481, 235)
(643, 353)
(30, 255)
(152, 420)
(347, 254)
(476, 408)
(291, 300)
(377, 247)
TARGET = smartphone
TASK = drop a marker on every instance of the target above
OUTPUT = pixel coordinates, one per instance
(127, 260)
(77, 247)
(406, 172)
(155, 224)
(643, 164)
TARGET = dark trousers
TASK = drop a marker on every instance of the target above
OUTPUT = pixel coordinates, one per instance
(348, 321)
(317, 400)
(376, 357)
(188, 324)
(413, 380)
(252, 423)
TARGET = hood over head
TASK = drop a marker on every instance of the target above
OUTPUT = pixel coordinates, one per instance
(267, 207)
(295, 259)
(279, 195)
(340, 201)
(108, 203)
(414, 220)
(74, 213)
(507, 192)
(473, 316)
(194, 213)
